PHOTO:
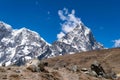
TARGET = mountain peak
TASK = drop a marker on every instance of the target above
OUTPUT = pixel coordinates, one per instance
(80, 31)
(24, 29)
(19, 45)
(5, 29)
(5, 26)
(26, 32)
(77, 40)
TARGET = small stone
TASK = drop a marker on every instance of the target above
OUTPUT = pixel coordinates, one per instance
(84, 69)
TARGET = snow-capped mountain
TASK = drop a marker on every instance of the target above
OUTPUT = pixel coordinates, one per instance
(77, 40)
(18, 46)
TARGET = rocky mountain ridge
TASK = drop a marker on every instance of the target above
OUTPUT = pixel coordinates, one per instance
(18, 46)
(78, 40)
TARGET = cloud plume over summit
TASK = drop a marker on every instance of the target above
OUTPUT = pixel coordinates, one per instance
(70, 21)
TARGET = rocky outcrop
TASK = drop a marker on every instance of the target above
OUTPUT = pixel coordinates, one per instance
(36, 65)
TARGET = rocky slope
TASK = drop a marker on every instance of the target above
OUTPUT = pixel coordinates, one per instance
(62, 67)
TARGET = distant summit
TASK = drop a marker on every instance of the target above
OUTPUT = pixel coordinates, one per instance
(78, 40)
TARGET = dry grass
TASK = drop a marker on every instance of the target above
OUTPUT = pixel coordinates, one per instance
(109, 58)
(2, 69)
(14, 77)
(85, 59)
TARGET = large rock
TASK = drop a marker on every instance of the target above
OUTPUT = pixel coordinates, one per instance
(35, 65)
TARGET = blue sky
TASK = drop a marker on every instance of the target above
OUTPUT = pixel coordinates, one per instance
(101, 16)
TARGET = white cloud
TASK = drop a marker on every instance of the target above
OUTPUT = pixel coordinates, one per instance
(117, 43)
(70, 20)
(60, 35)
(48, 12)
(73, 11)
(70, 17)
(66, 10)
(67, 27)
(60, 13)
(73, 19)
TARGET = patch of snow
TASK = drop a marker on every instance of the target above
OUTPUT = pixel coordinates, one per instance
(8, 63)
(46, 42)
(87, 31)
(72, 53)
(26, 50)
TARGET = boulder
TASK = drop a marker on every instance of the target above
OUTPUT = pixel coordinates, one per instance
(36, 65)
(96, 66)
